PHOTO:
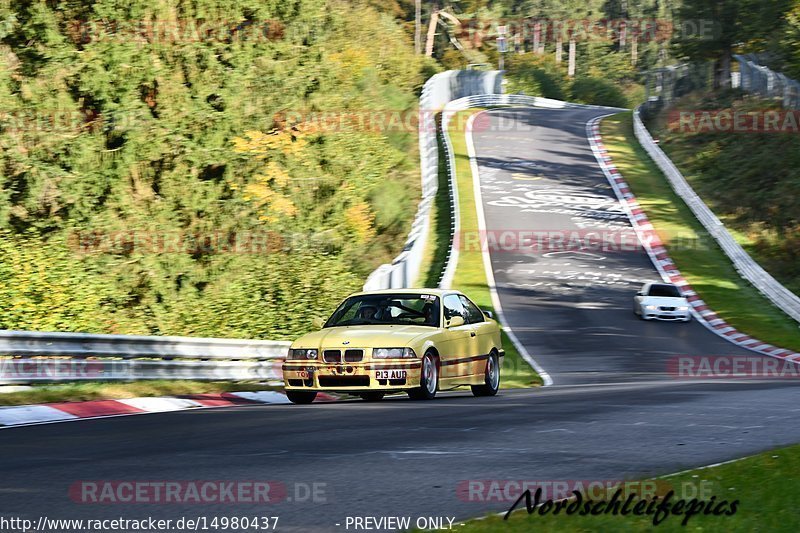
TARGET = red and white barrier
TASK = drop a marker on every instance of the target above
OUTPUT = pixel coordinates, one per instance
(663, 263)
(23, 415)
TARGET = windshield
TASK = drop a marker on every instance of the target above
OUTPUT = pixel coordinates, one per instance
(394, 309)
(669, 291)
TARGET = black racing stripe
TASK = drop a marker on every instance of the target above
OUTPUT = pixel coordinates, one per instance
(465, 360)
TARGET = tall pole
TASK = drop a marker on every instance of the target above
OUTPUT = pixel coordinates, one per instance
(431, 32)
(417, 26)
(502, 46)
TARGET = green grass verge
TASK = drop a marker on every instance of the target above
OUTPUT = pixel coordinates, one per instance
(78, 392)
(727, 169)
(765, 485)
(694, 251)
(470, 277)
(435, 258)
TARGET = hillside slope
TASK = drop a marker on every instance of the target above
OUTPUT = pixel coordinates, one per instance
(749, 177)
(172, 167)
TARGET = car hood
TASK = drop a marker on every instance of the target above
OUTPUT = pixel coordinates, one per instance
(664, 301)
(363, 337)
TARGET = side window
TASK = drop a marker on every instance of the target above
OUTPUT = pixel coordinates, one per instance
(453, 307)
(474, 314)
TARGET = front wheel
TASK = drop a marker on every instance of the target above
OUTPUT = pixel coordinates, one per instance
(301, 396)
(491, 382)
(429, 381)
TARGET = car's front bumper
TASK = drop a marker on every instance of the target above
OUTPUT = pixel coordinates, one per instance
(660, 314)
(352, 377)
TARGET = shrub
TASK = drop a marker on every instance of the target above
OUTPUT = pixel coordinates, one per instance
(597, 91)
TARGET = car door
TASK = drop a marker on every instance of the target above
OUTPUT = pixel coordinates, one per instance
(459, 346)
(483, 338)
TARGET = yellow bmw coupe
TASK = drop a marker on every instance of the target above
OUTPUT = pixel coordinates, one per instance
(412, 340)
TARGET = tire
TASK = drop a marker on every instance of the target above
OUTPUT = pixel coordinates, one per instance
(492, 378)
(301, 397)
(429, 381)
(372, 396)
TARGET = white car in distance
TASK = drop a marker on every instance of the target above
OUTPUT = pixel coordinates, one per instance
(661, 301)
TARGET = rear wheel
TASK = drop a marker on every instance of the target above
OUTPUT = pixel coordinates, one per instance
(301, 396)
(429, 380)
(492, 378)
(372, 396)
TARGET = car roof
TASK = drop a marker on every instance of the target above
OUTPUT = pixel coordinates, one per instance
(435, 292)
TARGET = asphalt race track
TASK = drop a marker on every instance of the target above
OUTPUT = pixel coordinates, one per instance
(571, 308)
(613, 413)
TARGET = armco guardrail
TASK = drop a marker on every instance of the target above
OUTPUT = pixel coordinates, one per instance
(437, 92)
(761, 80)
(28, 357)
(782, 297)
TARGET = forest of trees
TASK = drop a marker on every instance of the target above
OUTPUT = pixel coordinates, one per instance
(143, 141)
(129, 126)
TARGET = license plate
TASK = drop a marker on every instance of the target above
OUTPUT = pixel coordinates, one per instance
(390, 374)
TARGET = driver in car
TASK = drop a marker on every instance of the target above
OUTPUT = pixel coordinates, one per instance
(367, 312)
(429, 312)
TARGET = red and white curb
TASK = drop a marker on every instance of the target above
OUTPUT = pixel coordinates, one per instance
(660, 258)
(69, 411)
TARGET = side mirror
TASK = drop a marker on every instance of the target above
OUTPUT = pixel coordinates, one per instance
(317, 322)
(488, 313)
(639, 293)
(455, 322)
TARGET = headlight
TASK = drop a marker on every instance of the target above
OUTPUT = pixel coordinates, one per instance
(303, 353)
(393, 353)
(650, 307)
(683, 308)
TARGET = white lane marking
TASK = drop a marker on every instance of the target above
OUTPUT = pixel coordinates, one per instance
(487, 262)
